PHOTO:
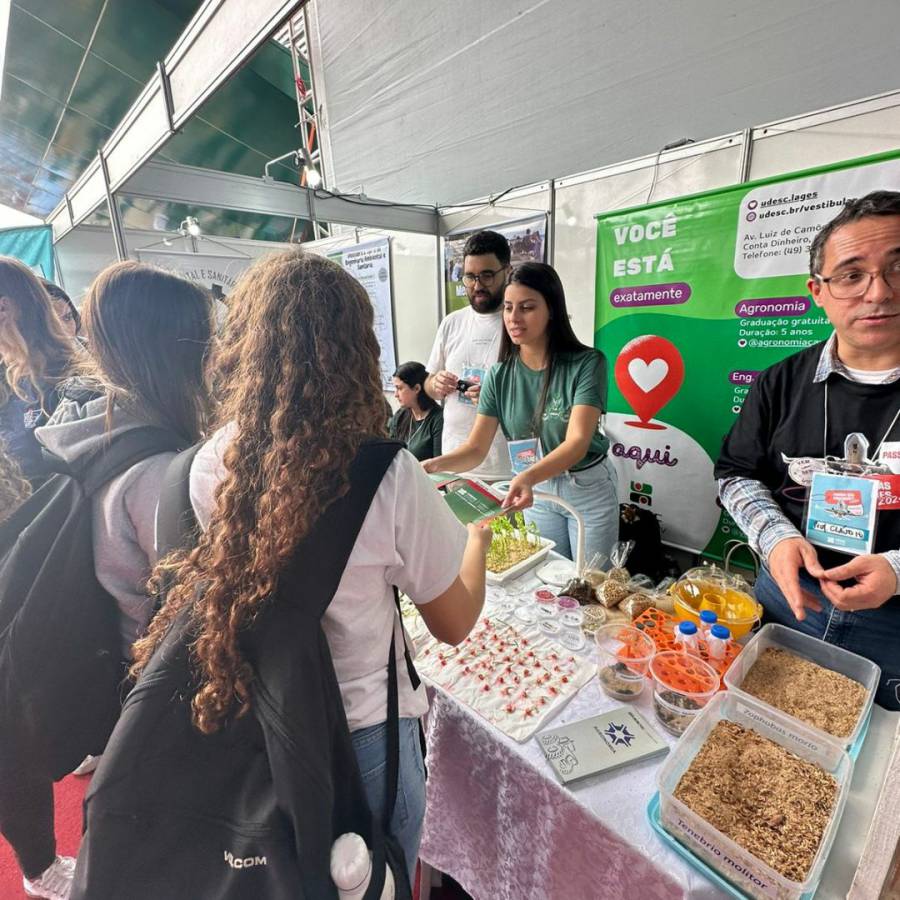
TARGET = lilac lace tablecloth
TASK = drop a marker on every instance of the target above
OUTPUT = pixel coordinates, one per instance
(500, 823)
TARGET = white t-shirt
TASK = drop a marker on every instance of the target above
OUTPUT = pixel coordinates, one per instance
(468, 343)
(409, 538)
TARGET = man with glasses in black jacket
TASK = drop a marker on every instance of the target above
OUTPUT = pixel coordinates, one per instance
(801, 411)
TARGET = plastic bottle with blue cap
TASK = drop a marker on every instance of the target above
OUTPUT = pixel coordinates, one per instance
(717, 642)
(707, 619)
(686, 638)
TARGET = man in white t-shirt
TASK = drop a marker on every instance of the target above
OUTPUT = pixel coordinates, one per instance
(468, 344)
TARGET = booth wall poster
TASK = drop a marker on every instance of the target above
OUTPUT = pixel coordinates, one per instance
(696, 296)
(370, 264)
(527, 243)
(218, 273)
(32, 245)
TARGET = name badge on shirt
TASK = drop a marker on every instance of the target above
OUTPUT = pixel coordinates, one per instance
(476, 376)
(524, 454)
(841, 514)
(889, 456)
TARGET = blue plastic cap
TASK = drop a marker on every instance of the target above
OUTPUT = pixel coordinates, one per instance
(708, 617)
(720, 631)
(687, 627)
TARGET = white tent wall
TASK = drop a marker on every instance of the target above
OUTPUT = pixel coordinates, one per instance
(578, 199)
(87, 250)
(414, 269)
(433, 102)
(846, 132)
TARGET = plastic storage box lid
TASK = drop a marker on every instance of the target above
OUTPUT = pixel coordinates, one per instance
(826, 655)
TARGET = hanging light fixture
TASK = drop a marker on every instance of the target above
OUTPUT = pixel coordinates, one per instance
(190, 226)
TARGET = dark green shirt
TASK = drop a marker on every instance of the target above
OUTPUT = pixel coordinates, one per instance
(511, 392)
(423, 439)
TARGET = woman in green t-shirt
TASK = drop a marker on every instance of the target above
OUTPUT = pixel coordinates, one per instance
(419, 421)
(547, 394)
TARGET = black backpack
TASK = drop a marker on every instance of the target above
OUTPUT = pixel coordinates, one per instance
(61, 666)
(253, 809)
(642, 526)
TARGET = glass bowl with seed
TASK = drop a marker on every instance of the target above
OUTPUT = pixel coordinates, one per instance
(682, 685)
(624, 658)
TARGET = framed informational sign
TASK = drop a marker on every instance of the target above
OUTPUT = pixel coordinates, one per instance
(370, 264)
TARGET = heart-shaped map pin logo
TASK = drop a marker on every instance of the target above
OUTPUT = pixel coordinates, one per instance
(647, 375)
(649, 372)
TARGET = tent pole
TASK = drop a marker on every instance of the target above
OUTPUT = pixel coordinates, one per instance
(115, 220)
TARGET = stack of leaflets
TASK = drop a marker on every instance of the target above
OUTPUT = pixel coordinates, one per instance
(469, 499)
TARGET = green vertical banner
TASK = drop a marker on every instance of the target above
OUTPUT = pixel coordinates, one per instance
(32, 245)
(695, 297)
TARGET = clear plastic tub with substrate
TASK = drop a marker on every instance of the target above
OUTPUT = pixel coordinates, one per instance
(857, 668)
(736, 863)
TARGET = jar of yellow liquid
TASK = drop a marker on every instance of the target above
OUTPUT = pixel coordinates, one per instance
(728, 596)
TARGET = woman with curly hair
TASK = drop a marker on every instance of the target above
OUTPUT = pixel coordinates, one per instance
(301, 398)
(37, 356)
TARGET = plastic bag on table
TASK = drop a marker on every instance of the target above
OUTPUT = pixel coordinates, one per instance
(619, 556)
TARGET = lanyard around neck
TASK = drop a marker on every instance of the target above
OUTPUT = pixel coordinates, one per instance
(890, 428)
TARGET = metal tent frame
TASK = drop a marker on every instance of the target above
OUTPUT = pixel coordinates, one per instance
(221, 37)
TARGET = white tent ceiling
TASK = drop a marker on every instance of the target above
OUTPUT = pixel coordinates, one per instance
(442, 101)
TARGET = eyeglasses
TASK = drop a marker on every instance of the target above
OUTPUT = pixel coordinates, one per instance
(854, 283)
(486, 277)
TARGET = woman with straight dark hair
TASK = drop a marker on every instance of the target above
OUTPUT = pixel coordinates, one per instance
(547, 393)
(148, 331)
(36, 356)
(298, 345)
(419, 421)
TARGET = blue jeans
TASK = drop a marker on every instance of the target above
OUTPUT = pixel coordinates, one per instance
(594, 493)
(872, 633)
(370, 745)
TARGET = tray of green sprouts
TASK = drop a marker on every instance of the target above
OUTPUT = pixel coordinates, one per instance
(516, 546)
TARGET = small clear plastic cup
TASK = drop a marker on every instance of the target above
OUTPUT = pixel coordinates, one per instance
(546, 611)
(682, 685)
(526, 613)
(572, 639)
(624, 658)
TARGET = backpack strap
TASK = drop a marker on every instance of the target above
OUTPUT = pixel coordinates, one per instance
(124, 451)
(367, 471)
(176, 524)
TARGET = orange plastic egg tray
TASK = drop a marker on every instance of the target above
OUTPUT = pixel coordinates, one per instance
(660, 627)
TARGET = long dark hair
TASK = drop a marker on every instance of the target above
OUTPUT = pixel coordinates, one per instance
(298, 345)
(36, 352)
(560, 337)
(412, 374)
(149, 331)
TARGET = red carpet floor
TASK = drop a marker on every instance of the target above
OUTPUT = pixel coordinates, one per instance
(69, 794)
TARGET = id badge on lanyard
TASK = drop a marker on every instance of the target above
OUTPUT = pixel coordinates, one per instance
(524, 454)
(842, 512)
(889, 481)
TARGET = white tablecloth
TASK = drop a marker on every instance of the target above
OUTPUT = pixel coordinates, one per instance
(500, 823)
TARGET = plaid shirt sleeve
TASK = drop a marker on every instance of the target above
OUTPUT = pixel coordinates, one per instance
(893, 557)
(756, 513)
